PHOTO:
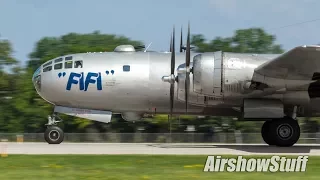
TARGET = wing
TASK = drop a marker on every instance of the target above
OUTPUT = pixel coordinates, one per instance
(299, 63)
(293, 70)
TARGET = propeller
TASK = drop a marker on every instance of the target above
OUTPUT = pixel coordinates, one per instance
(172, 73)
(187, 81)
(171, 77)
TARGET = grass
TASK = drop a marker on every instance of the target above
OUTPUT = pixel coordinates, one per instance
(132, 167)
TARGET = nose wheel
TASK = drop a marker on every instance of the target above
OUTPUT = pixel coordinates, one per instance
(53, 133)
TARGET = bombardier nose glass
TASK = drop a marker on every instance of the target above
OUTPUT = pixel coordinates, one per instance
(37, 79)
(36, 73)
(37, 82)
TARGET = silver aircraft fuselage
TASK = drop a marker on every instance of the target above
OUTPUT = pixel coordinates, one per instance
(260, 87)
(132, 82)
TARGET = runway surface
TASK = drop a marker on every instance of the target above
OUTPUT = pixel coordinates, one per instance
(153, 149)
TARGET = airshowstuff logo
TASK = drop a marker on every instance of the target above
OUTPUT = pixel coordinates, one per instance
(241, 164)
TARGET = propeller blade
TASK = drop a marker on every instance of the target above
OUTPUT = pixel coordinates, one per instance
(187, 85)
(188, 48)
(181, 41)
(173, 54)
(187, 81)
(170, 129)
(172, 76)
(171, 43)
(172, 73)
(171, 98)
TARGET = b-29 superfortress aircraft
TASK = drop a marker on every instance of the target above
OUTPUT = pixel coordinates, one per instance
(275, 88)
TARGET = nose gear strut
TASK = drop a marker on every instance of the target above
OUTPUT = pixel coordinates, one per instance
(53, 133)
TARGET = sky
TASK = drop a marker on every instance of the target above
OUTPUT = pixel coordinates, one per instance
(24, 22)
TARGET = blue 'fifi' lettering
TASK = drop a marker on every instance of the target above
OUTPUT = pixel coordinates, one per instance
(89, 80)
(78, 78)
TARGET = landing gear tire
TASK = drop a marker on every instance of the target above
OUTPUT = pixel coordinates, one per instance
(281, 132)
(265, 133)
(54, 135)
(285, 132)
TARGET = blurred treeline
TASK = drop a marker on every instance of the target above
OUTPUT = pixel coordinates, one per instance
(22, 110)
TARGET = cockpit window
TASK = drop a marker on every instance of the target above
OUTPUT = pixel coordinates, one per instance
(58, 60)
(37, 72)
(68, 64)
(78, 64)
(68, 58)
(49, 68)
(47, 64)
(58, 66)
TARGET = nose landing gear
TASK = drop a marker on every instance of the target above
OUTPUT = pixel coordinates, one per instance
(53, 133)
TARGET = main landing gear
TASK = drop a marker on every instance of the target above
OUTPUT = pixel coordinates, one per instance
(53, 133)
(283, 132)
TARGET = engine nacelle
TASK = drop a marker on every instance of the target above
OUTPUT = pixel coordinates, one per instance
(225, 75)
(194, 98)
(207, 72)
(220, 78)
(205, 80)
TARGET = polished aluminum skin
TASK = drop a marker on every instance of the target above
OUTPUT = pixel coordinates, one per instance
(221, 83)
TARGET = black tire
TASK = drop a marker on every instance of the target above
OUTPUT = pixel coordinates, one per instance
(265, 133)
(285, 132)
(53, 135)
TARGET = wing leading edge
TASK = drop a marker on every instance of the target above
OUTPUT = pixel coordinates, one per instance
(299, 63)
(296, 71)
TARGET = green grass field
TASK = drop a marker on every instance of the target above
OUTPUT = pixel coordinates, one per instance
(132, 167)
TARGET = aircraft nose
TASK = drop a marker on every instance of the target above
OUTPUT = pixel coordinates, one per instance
(36, 79)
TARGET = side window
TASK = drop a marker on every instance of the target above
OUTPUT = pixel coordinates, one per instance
(58, 60)
(68, 58)
(126, 68)
(68, 64)
(78, 64)
(49, 68)
(58, 66)
(47, 64)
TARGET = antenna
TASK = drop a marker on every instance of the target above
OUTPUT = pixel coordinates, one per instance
(145, 50)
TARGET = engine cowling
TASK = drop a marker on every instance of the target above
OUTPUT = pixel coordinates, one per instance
(205, 80)
(219, 78)
(194, 98)
(207, 74)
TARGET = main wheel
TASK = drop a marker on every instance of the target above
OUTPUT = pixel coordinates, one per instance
(285, 132)
(265, 133)
(54, 135)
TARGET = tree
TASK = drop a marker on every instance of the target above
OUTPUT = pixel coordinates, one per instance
(252, 40)
(6, 51)
(8, 87)
(51, 47)
(6, 59)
